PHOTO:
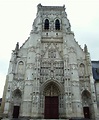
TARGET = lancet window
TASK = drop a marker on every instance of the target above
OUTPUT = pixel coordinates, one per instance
(20, 67)
(46, 24)
(57, 25)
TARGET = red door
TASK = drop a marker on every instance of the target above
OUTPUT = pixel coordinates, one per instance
(51, 107)
(86, 112)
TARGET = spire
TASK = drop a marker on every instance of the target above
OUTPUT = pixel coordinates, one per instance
(85, 49)
(17, 46)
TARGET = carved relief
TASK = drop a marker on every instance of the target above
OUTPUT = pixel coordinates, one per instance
(51, 69)
(17, 85)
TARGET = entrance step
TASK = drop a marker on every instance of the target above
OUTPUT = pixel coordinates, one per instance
(47, 119)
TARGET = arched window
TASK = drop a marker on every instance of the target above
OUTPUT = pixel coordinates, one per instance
(46, 24)
(82, 69)
(57, 25)
(20, 67)
(17, 93)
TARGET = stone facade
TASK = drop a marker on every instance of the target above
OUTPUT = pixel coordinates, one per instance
(50, 66)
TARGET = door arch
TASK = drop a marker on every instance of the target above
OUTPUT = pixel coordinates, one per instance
(86, 101)
(51, 109)
(17, 96)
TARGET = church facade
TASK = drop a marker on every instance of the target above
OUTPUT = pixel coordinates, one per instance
(50, 75)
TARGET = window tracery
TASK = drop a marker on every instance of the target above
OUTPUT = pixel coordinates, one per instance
(51, 90)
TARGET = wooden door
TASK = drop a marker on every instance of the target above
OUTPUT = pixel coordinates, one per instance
(16, 111)
(86, 112)
(51, 107)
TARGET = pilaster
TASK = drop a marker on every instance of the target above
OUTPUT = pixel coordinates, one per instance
(76, 96)
(92, 87)
(10, 77)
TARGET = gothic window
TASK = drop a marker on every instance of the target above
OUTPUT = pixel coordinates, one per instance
(57, 25)
(46, 24)
(17, 93)
(20, 67)
(82, 69)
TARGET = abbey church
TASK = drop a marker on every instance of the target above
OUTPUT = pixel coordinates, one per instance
(50, 75)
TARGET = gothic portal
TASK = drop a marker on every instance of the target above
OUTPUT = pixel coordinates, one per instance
(50, 75)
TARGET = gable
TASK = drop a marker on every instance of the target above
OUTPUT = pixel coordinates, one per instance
(51, 51)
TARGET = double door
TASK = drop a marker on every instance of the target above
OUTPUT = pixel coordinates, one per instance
(51, 107)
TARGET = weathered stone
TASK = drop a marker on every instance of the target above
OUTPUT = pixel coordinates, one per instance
(50, 66)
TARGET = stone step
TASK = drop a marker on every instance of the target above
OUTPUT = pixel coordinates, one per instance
(44, 119)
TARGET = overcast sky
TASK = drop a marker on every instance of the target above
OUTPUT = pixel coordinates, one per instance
(17, 16)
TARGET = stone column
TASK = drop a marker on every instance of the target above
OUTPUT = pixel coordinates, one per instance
(27, 97)
(35, 113)
(76, 96)
(94, 110)
(67, 81)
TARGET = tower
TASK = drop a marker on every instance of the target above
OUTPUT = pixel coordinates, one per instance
(50, 75)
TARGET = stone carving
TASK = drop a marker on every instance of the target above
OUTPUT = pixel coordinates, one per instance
(17, 85)
(54, 57)
(52, 69)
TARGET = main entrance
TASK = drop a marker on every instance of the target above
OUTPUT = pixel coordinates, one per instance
(51, 107)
